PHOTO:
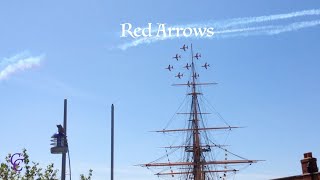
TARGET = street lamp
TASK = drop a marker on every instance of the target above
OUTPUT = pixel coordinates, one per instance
(59, 141)
(60, 144)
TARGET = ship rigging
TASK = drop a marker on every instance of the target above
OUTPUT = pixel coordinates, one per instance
(197, 162)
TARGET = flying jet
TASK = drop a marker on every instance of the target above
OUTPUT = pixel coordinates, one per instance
(169, 67)
(189, 83)
(197, 56)
(184, 47)
(188, 66)
(177, 57)
(195, 75)
(179, 75)
(206, 65)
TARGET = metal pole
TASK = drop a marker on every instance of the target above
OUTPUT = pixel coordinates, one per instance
(63, 168)
(112, 140)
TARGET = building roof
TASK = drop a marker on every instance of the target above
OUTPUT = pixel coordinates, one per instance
(298, 176)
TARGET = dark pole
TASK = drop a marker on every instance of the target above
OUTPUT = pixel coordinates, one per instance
(112, 140)
(63, 168)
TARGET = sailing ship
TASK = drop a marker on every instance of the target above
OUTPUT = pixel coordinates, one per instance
(199, 152)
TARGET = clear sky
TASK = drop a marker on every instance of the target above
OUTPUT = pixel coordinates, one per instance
(68, 49)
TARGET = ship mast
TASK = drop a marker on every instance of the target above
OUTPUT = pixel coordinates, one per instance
(198, 167)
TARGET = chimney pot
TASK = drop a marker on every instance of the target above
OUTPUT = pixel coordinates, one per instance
(309, 164)
(308, 155)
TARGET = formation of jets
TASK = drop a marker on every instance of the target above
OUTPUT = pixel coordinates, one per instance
(188, 66)
(177, 57)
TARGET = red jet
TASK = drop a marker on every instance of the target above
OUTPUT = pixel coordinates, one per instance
(184, 47)
(197, 56)
(179, 75)
(206, 65)
(169, 67)
(177, 57)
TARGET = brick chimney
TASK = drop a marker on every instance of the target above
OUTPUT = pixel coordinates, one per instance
(309, 164)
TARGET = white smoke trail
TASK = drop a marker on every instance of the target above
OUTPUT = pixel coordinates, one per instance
(266, 30)
(19, 62)
(240, 27)
(260, 19)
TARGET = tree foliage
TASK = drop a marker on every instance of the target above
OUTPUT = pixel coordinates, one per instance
(83, 177)
(30, 170)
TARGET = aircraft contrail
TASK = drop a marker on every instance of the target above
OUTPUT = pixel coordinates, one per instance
(19, 62)
(266, 30)
(247, 26)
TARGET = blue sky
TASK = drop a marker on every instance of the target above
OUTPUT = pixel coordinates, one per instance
(268, 83)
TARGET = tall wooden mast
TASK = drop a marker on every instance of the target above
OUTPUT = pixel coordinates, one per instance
(197, 170)
(198, 166)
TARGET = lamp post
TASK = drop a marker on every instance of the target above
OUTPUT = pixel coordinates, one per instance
(60, 144)
(112, 141)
